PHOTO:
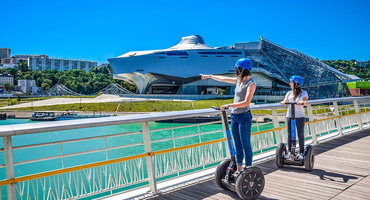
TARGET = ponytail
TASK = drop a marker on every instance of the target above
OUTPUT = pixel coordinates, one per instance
(296, 91)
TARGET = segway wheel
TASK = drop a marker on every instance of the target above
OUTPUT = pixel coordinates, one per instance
(250, 183)
(279, 157)
(221, 173)
(309, 158)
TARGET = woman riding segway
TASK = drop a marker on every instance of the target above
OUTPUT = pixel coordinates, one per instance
(300, 97)
(295, 119)
(248, 183)
(241, 117)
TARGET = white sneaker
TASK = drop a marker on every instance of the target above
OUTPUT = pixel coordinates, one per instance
(287, 155)
(301, 156)
(236, 174)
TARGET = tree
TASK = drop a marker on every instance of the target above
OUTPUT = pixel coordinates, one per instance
(7, 86)
(48, 81)
(91, 82)
(45, 86)
(28, 77)
(12, 87)
(22, 65)
(110, 70)
(12, 71)
(128, 86)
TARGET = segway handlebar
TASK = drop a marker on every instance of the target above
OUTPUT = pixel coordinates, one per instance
(291, 103)
(218, 108)
(225, 121)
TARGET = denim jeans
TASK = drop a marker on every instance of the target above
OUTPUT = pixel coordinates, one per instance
(241, 125)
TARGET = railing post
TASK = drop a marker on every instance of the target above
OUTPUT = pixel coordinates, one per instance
(9, 165)
(149, 158)
(338, 123)
(312, 125)
(224, 130)
(357, 110)
(275, 120)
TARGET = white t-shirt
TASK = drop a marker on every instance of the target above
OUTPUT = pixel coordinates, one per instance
(299, 110)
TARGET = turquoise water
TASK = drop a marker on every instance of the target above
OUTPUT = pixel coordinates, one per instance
(95, 144)
(16, 121)
(81, 146)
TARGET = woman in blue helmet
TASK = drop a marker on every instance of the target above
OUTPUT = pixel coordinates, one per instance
(300, 97)
(241, 117)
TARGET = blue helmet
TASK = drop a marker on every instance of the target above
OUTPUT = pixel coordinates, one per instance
(244, 63)
(297, 79)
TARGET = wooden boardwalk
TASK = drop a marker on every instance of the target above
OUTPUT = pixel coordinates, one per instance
(341, 171)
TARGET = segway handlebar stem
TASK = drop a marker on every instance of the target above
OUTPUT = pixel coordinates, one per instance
(228, 134)
(292, 109)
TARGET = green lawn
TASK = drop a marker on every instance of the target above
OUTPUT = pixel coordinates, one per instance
(145, 106)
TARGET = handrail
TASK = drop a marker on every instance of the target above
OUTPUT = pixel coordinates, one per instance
(315, 128)
(9, 130)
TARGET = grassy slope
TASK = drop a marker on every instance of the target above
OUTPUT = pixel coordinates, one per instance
(147, 106)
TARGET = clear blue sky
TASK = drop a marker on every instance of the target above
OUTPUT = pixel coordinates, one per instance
(97, 30)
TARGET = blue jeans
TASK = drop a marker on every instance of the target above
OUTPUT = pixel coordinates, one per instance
(241, 125)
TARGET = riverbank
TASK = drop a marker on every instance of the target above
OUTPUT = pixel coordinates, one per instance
(28, 114)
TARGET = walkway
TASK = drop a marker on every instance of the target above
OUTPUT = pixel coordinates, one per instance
(341, 171)
(104, 98)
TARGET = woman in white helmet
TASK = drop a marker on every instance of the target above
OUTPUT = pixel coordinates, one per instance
(241, 117)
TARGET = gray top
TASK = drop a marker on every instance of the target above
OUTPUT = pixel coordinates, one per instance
(240, 92)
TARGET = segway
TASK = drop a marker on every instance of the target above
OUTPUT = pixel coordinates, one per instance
(249, 183)
(281, 151)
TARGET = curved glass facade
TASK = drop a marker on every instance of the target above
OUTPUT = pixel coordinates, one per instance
(176, 71)
(280, 63)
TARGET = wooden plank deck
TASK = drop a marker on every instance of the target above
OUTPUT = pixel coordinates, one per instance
(341, 171)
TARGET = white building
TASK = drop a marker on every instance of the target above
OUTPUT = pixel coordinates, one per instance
(6, 78)
(28, 86)
(7, 66)
(12, 62)
(42, 63)
(361, 63)
(104, 65)
(176, 70)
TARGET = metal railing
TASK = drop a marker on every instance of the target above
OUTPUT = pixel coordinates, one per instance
(104, 156)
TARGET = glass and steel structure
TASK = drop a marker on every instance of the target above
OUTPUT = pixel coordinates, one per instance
(280, 63)
(176, 70)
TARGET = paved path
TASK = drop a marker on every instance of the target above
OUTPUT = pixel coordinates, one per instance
(104, 98)
(341, 171)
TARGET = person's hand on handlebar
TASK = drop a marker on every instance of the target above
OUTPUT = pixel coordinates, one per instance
(282, 103)
(302, 103)
(224, 107)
